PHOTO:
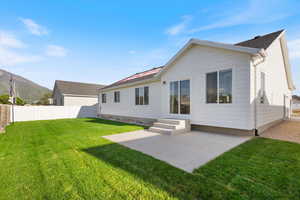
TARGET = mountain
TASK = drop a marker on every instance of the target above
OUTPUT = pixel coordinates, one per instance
(25, 89)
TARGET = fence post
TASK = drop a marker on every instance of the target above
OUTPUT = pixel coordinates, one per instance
(4, 117)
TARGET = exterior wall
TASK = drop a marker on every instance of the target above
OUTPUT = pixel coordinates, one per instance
(130, 120)
(214, 129)
(127, 107)
(277, 98)
(30, 113)
(194, 65)
(57, 98)
(80, 100)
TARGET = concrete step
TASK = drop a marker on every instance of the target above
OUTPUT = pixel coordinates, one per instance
(161, 130)
(169, 121)
(171, 126)
(164, 125)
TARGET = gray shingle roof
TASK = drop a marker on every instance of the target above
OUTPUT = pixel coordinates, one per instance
(261, 42)
(76, 88)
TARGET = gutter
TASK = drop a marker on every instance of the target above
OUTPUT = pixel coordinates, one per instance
(125, 85)
(78, 95)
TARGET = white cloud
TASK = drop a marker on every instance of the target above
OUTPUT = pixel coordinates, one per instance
(180, 27)
(9, 55)
(132, 52)
(55, 50)
(294, 48)
(11, 58)
(9, 40)
(33, 27)
(227, 15)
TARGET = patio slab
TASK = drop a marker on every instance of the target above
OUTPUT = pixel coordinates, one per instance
(186, 151)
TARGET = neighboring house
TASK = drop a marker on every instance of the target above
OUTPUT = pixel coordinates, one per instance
(296, 102)
(50, 101)
(67, 93)
(243, 87)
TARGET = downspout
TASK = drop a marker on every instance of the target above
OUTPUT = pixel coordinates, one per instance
(99, 106)
(255, 102)
(262, 54)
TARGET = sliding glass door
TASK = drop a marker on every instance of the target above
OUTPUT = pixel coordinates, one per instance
(174, 97)
(185, 97)
(180, 97)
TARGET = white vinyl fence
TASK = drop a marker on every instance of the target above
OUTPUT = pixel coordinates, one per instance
(30, 113)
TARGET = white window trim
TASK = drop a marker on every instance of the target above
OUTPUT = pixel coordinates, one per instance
(218, 93)
(179, 114)
(105, 97)
(119, 96)
(143, 96)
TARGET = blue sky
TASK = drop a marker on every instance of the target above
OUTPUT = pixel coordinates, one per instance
(104, 41)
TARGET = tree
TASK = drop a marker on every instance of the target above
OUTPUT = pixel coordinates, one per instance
(45, 99)
(4, 99)
(20, 101)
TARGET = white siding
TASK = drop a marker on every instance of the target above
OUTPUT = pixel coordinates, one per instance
(80, 100)
(194, 65)
(127, 107)
(276, 87)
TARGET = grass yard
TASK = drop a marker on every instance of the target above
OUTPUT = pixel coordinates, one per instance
(68, 159)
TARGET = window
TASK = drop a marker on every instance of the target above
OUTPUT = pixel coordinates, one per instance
(142, 96)
(180, 97)
(219, 87)
(137, 97)
(117, 96)
(174, 97)
(146, 95)
(103, 96)
(185, 97)
(225, 86)
(212, 87)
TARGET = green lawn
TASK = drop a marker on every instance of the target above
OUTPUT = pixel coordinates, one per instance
(68, 159)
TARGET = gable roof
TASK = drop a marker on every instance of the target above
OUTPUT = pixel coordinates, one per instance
(231, 47)
(155, 72)
(77, 88)
(254, 47)
(261, 42)
(285, 54)
(141, 76)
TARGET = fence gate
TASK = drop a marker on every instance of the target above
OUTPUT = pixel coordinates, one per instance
(4, 116)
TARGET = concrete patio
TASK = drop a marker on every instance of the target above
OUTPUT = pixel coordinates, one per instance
(186, 151)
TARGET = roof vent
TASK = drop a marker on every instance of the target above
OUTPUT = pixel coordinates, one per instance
(256, 37)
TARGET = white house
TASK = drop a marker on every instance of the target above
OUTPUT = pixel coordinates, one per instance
(68, 93)
(243, 87)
